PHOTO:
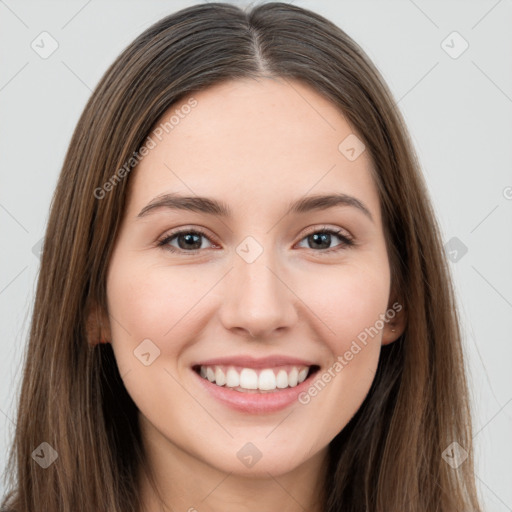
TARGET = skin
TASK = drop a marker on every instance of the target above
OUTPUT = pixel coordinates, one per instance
(256, 145)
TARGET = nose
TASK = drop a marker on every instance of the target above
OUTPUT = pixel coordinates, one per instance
(258, 299)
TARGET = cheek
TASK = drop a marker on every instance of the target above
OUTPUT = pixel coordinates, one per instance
(348, 301)
(148, 302)
(160, 303)
(174, 306)
(152, 312)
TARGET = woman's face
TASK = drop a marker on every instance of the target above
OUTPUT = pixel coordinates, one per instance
(266, 295)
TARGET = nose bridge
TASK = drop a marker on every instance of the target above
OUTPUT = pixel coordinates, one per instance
(258, 299)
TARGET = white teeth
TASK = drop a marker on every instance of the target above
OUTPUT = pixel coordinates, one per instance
(282, 379)
(302, 375)
(232, 378)
(292, 377)
(267, 380)
(248, 379)
(220, 378)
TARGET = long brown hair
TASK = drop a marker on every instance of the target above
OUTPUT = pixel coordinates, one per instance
(389, 457)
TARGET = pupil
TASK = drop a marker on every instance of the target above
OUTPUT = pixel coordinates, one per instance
(189, 241)
(326, 237)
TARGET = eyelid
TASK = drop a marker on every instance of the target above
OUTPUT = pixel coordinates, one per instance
(348, 240)
(185, 229)
(324, 227)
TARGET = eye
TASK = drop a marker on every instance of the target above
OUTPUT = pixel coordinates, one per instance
(188, 240)
(321, 239)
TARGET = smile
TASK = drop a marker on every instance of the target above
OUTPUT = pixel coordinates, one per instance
(252, 380)
(253, 385)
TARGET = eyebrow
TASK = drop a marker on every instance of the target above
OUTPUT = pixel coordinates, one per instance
(218, 208)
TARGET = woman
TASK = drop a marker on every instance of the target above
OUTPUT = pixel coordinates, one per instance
(197, 343)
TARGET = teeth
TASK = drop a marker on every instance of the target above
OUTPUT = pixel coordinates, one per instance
(292, 377)
(267, 380)
(220, 378)
(248, 379)
(232, 378)
(282, 379)
(243, 379)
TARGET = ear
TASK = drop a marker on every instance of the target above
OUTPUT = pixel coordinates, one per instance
(394, 327)
(97, 324)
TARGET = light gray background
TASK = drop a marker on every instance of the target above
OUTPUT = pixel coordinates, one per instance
(458, 112)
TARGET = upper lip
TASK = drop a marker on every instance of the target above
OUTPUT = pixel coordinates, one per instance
(253, 362)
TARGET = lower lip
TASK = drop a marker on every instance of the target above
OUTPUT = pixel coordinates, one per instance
(254, 403)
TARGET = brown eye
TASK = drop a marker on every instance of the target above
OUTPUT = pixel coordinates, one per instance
(187, 240)
(322, 239)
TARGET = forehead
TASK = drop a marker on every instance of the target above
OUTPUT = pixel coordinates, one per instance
(252, 142)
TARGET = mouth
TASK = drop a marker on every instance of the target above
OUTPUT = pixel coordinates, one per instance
(241, 379)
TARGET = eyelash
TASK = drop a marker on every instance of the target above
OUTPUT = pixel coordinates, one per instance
(347, 241)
